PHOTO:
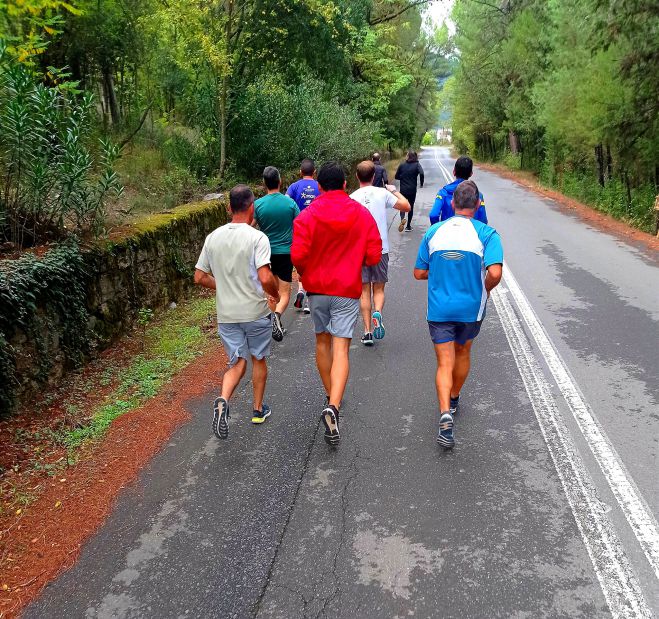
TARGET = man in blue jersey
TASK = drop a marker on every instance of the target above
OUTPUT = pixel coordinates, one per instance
(304, 192)
(462, 259)
(442, 208)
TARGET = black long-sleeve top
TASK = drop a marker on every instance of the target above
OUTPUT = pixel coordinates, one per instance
(407, 174)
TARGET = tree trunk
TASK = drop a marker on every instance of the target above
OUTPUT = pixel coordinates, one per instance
(513, 141)
(599, 156)
(609, 163)
(111, 96)
(223, 125)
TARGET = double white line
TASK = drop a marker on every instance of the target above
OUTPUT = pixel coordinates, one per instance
(617, 579)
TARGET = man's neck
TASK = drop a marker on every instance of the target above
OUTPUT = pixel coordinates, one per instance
(271, 191)
(240, 218)
(307, 178)
(362, 185)
(466, 213)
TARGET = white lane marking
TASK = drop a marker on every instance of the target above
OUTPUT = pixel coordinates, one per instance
(636, 510)
(442, 168)
(618, 582)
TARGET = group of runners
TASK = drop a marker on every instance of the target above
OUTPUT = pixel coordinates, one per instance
(338, 245)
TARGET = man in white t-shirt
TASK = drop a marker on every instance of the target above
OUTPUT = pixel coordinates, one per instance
(377, 200)
(235, 262)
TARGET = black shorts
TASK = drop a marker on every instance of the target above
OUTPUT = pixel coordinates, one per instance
(282, 266)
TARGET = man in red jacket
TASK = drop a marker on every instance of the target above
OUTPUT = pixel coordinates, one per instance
(332, 239)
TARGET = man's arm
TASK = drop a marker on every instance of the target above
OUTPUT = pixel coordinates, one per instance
(301, 245)
(422, 176)
(421, 274)
(493, 277)
(436, 210)
(268, 282)
(201, 278)
(402, 203)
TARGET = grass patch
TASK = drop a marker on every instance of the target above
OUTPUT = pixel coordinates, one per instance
(169, 345)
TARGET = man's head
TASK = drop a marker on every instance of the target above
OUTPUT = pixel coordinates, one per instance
(412, 157)
(466, 199)
(307, 167)
(271, 178)
(464, 168)
(365, 172)
(331, 176)
(376, 158)
(241, 201)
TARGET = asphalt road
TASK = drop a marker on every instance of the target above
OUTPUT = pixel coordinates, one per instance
(545, 508)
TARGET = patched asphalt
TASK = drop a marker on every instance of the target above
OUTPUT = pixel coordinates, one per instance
(274, 523)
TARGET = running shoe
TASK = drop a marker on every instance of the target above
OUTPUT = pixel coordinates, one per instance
(445, 437)
(378, 327)
(330, 418)
(299, 300)
(455, 405)
(409, 229)
(277, 329)
(306, 309)
(221, 418)
(367, 339)
(262, 415)
(401, 227)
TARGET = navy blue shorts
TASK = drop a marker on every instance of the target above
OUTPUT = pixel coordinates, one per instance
(460, 332)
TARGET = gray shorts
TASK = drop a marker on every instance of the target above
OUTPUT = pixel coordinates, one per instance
(334, 315)
(377, 274)
(243, 340)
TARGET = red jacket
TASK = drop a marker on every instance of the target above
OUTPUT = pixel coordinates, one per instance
(332, 239)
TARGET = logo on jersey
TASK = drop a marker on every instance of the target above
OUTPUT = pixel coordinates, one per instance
(452, 255)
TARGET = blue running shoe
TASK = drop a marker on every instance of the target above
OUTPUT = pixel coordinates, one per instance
(221, 418)
(445, 436)
(262, 415)
(454, 406)
(378, 327)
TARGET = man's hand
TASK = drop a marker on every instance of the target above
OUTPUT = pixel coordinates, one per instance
(391, 188)
(201, 278)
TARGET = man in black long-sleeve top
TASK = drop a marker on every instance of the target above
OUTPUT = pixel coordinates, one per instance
(408, 172)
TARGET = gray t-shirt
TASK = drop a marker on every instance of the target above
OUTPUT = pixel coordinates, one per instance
(233, 253)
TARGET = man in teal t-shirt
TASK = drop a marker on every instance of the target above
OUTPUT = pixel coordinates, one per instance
(274, 213)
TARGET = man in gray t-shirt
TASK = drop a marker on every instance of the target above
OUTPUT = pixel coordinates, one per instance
(235, 262)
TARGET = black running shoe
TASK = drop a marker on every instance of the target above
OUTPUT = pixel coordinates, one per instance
(445, 436)
(367, 339)
(455, 405)
(262, 415)
(277, 329)
(330, 418)
(221, 418)
(299, 300)
(306, 309)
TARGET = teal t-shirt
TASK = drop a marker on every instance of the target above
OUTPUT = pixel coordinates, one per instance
(275, 214)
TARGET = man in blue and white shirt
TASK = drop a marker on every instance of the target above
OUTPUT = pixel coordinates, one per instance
(462, 259)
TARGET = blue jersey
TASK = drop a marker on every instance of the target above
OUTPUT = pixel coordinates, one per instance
(456, 253)
(304, 192)
(442, 209)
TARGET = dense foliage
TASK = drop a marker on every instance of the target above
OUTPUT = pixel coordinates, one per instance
(218, 87)
(567, 89)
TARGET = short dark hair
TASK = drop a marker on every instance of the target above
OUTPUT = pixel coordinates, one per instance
(240, 198)
(331, 176)
(466, 196)
(271, 177)
(376, 157)
(412, 157)
(365, 171)
(464, 167)
(307, 167)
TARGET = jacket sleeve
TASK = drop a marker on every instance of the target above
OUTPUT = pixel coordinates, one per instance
(373, 241)
(385, 176)
(422, 176)
(397, 177)
(436, 210)
(301, 243)
(481, 213)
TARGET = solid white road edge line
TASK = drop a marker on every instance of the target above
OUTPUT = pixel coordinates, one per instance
(638, 514)
(619, 584)
(442, 167)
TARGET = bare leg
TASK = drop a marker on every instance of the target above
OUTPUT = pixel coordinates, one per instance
(461, 367)
(324, 359)
(444, 381)
(340, 369)
(365, 306)
(378, 296)
(232, 378)
(284, 296)
(259, 379)
(271, 304)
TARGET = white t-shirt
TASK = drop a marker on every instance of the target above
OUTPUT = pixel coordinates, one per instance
(377, 200)
(233, 253)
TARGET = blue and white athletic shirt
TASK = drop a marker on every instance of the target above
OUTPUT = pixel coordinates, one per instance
(456, 253)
